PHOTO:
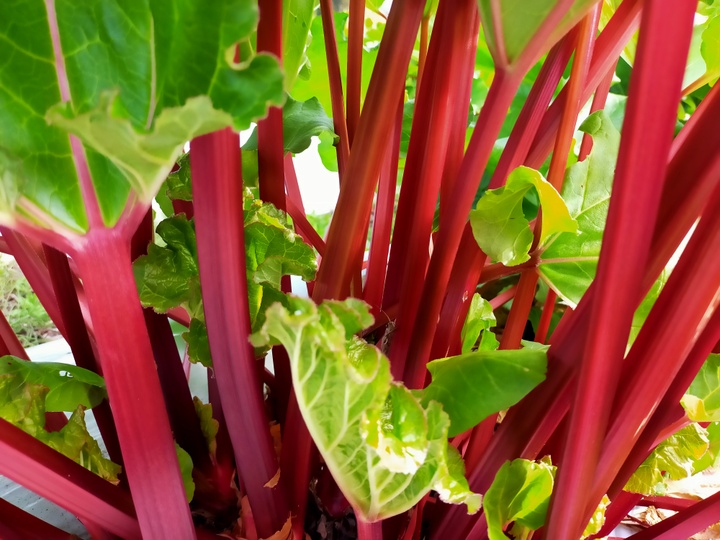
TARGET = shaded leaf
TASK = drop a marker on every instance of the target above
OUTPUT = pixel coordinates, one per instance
(208, 424)
(186, 469)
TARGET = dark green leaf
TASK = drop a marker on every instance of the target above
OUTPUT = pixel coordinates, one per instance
(198, 343)
(179, 183)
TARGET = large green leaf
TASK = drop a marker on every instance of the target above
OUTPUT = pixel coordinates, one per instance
(24, 393)
(68, 385)
(672, 459)
(297, 18)
(520, 493)
(568, 261)
(301, 121)
(144, 77)
(520, 20)
(499, 224)
(702, 399)
(475, 385)
(384, 448)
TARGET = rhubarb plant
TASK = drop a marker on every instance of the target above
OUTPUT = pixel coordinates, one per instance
(494, 285)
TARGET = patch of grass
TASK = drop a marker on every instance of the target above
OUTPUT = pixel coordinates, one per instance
(21, 306)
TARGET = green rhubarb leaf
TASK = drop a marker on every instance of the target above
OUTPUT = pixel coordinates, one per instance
(208, 425)
(519, 21)
(472, 386)
(712, 456)
(672, 459)
(499, 224)
(710, 47)
(167, 276)
(186, 469)
(643, 310)
(179, 182)
(132, 116)
(24, 393)
(385, 449)
(301, 121)
(702, 399)
(479, 319)
(68, 385)
(198, 343)
(297, 18)
(519, 493)
(598, 518)
(569, 261)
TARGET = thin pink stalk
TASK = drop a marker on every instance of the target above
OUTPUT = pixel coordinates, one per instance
(685, 523)
(522, 303)
(382, 223)
(422, 53)
(369, 531)
(217, 193)
(504, 297)
(345, 241)
(645, 145)
(598, 103)
(9, 342)
(424, 168)
(336, 89)
(356, 34)
(16, 524)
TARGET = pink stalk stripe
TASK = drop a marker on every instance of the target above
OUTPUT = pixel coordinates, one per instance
(217, 192)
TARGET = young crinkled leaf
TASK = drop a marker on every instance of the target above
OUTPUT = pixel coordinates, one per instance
(301, 121)
(472, 386)
(499, 225)
(672, 459)
(479, 319)
(702, 400)
(168, 276)
(384, 448)
(568, 261)
(133, 117)
(208, 424)
(23, 397)
(186, 469)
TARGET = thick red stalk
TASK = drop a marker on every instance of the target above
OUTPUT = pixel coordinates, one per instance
(345, 239)
(133, 386)
(335, 82)
(667, 409)
(608, 47)
(16, 524)
(35, 271)
(450, 49)
(79, 340)
(356, 34)
(645, 145)
(685, 523)
(217, 193)
(543, 328)
(51, 475)
(382, 222)
(493, 113)
(693, 285)
(304, 228)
